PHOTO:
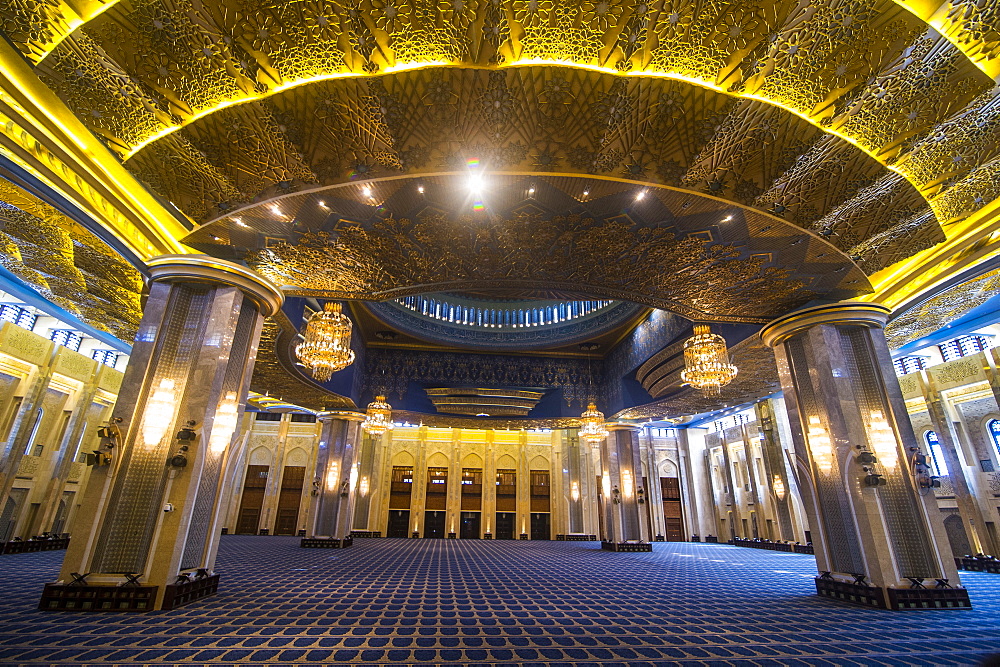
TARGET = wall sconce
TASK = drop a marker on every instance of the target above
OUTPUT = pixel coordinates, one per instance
(819, 445)
(574, 491)
(224, 425)
(627, 483)
(778, 485)
(363, 486)
(333, 476)
(353, 478)
(606, 484)
(883, 440)
(159, 413)
(345, 488)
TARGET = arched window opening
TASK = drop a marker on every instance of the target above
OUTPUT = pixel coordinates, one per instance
(994, 429)
(935, 456)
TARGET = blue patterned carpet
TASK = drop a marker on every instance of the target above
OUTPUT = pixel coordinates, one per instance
(486, 603)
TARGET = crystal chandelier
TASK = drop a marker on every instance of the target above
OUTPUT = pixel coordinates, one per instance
(378, 419)
(326, 345)
(706, 361)
(592, 428)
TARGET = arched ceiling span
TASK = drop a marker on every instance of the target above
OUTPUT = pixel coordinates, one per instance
(695, 255)
(821, 113)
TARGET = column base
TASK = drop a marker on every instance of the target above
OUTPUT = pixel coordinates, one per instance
(659, 538)
(325, 542)
(627, 546)
(104, 598)
(576, 537)
(523, 536)
(893, 598)
(365, 533)
(487, 536)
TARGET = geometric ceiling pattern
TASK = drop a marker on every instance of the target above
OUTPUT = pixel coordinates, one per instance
(852, 119)
(942, 309)
(540, 237)
(791, 148)
(67, 264)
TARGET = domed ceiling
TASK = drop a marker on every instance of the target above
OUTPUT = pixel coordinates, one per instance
(724, 161)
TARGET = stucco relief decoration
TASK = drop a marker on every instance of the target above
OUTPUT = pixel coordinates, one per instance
(650, 265)
(67, 265)
(872, 73)
(956, 371)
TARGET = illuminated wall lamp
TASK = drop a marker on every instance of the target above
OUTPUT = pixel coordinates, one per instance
(159, 413)
(224, 425)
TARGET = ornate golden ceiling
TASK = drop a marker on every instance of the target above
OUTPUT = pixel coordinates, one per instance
(700, 257)
(854, 121)
(67, 264)
(845, 117)
(942, 309)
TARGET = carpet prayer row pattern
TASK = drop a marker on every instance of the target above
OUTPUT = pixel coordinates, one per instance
(496, 602)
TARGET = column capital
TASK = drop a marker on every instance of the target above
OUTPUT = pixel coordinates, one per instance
(860, 313)
(346, 415)
(622, 426)
(206, 269)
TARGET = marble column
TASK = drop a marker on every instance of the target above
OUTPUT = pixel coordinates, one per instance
(335, 487)
(364, 518)
(878, 540)
(621, 476)
(973, 521)
(153, 511)
(573, 481)
(777, 483)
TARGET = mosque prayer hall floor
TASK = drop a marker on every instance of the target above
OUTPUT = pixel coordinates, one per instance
(496, 602)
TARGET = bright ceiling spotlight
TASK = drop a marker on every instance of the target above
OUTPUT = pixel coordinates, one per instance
(531, 190)
(640, 195)
(366, 191)
(475, 182)
(274, 209)
(239, 221)
(420, 189)
(322, 204)
(586, 193)
(728, 218)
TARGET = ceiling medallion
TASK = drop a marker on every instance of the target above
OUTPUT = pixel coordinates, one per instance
(378, 418)
(326, 345)
(706, 362)
(592, 428)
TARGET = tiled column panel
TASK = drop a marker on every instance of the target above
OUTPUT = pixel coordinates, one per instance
(844, 404)
(150, 512)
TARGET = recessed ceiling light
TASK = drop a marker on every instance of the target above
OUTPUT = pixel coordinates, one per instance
(239, 221)
(531, 190)
(322, 204)
(639, 195)
(728, 218)
(420, 189)
(216, 238)
(366, 191)
(274, 209)
(475, 182)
